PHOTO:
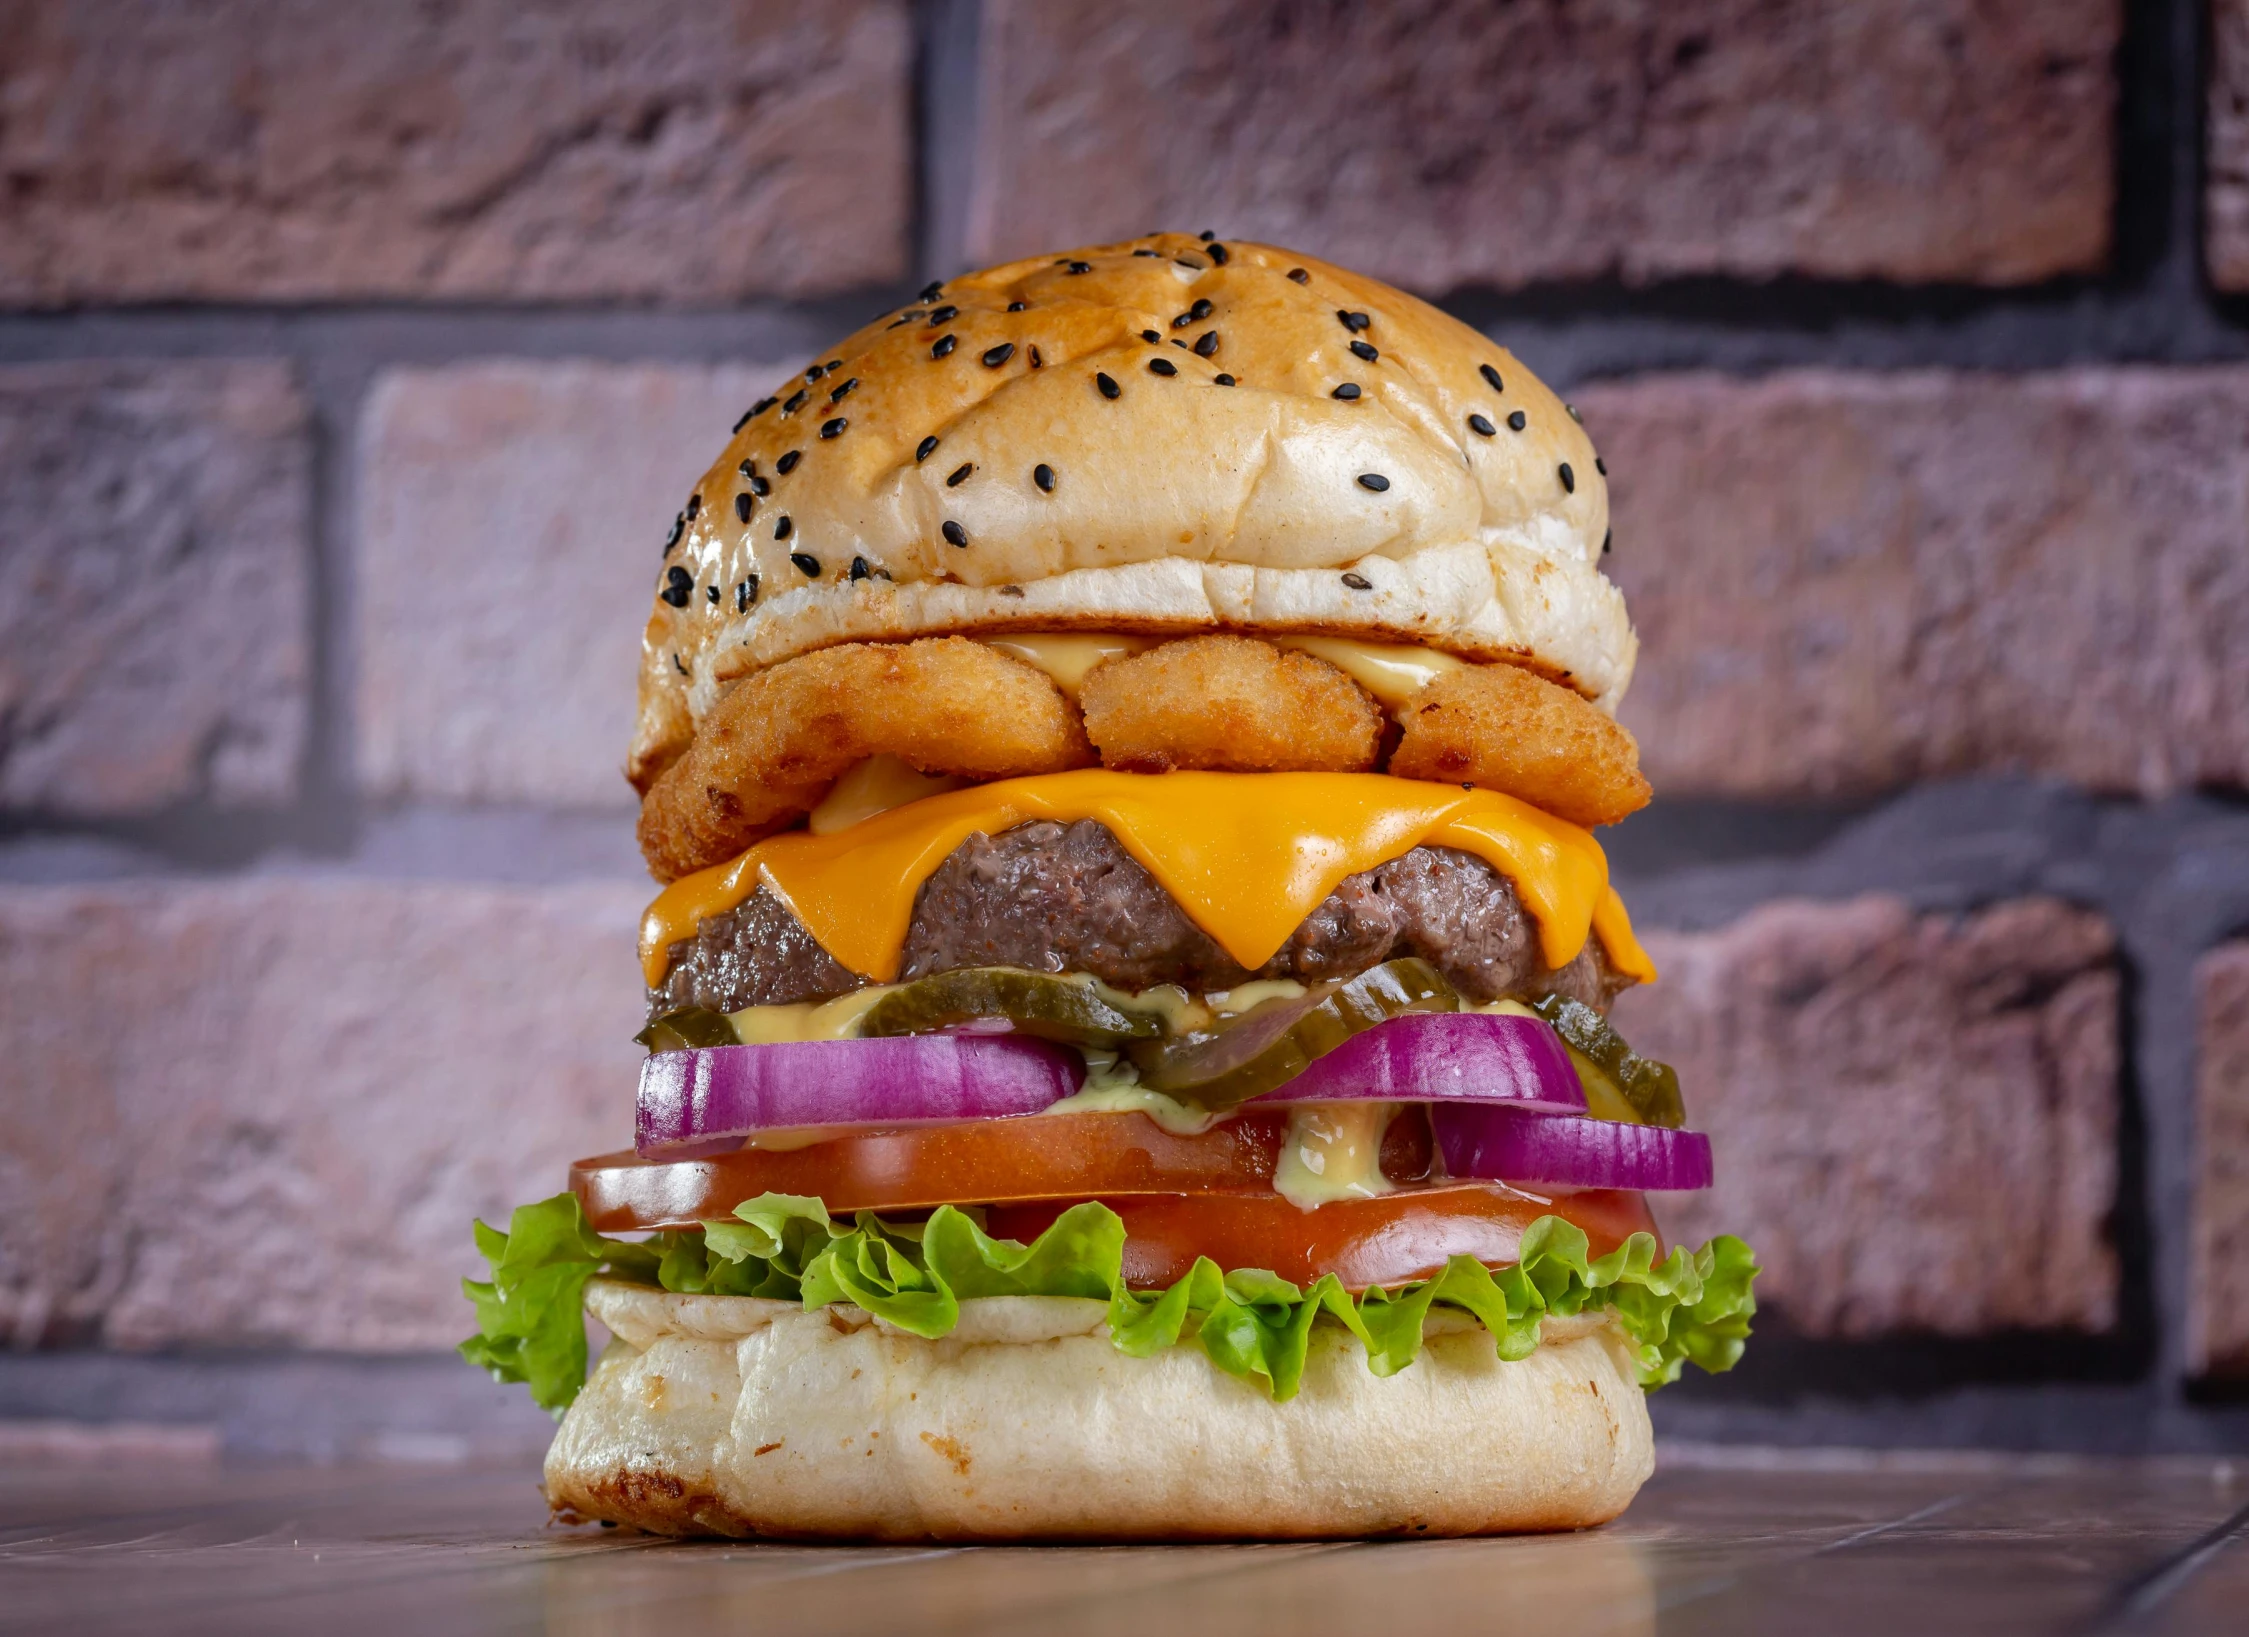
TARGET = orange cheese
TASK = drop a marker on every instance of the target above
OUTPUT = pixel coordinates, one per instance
(1247, 855)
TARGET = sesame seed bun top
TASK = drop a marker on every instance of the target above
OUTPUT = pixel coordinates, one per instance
(1166, 436)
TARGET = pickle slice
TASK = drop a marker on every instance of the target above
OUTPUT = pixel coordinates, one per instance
(1272, 1044)
(689, 1026)
(1651, 1088)
(1075, 1012)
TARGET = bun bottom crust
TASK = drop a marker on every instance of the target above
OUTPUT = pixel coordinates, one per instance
(819, 1426)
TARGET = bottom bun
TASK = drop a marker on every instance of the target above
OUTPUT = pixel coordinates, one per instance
(732, 1416)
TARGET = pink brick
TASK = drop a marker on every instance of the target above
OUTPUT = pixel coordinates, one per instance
(1439, 145)
(512, 518)
(2226, 165)
(155, 568)
(263, 1112)
(1914, 1116)
(681, 150)
(2218, 1294)
(1843, 582)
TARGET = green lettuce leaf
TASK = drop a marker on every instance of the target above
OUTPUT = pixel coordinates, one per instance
(1692, 1306)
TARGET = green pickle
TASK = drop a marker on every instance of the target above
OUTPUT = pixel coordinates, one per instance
(1074, 1011)
(1269, 1045)
(1610, 1068)
(689, 1026)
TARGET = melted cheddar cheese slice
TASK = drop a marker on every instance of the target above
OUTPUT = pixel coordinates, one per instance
(1247, 856)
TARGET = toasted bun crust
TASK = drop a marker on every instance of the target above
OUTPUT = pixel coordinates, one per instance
(730, 1416)
(1177, 505)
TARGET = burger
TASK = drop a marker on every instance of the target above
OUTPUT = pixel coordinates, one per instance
(1120, 740)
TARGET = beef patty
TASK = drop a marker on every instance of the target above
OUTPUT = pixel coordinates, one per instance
(1069, 898)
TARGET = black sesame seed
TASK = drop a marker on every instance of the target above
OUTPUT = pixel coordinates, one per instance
(788, 462)
(1206, 235)
(783, 528)
(1036, 361)
(994, 357)
(748, 468)
(1081, 267)
(815, 372)
(1182, 321)
(1206, 343)
(930, 292)
(1188, 262)
(755, 410)
(1571, 409)
(1181, 345)
(694, 506)
(1373, 480)
(1490, 375)
(1481, 427)
(959, 474)
(745, 594)
(795, 403)
(1043, 475)
(858, 568)
(1223, 380)
(1600, 465)
(679, 585)
(678, 528)
(1517, 421)
(834, 428)
(806, 563)
(1358, 582)
(1017, 306)
(711, 592)
(1200, 310)
(954, 533)
(922, 449)
(1347, 391)
(906, 317)
(1569, 479)
(759, 487)
(1219, 254)
(679, 666)
(1158, 254)
(1354, 322)
(1299, 275)
(1109, 388)
(844, 391)
(1366, 350)
(1151, 336)
(943, 315)
(831, 366)
(944, 347)
(1162, 366)
(742, 505)
(1606, 540)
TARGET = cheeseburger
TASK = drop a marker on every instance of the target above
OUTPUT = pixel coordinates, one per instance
(1120, 740)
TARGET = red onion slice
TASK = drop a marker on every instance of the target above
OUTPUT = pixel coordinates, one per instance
(705, 1100)
(1445, 1057)
(1502, 1144)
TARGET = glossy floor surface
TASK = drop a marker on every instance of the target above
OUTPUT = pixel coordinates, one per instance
(1735, 1542)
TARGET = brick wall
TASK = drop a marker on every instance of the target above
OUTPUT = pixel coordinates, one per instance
(352, 362)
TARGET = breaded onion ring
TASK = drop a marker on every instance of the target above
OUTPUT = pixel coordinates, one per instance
(1500, 727)
(1229, 704)
(768, 752)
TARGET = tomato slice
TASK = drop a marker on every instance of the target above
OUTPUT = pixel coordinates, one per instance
(979, 1162)
(1387, 1240)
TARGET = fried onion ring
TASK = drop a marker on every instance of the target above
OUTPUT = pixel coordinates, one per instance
(1505, 729)
(1229, 705)
(769, 751)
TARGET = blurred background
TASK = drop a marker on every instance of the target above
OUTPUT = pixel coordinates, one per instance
(354, 359)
